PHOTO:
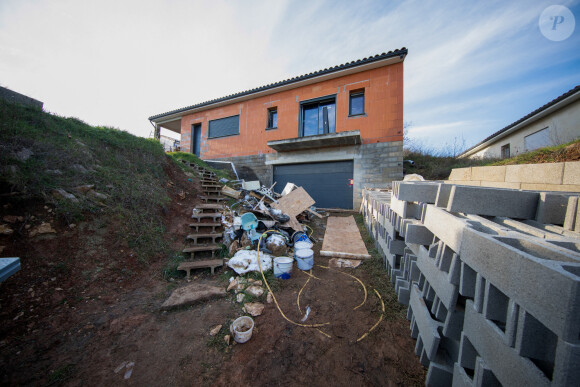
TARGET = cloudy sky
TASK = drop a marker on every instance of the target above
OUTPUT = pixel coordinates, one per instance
(473, 66)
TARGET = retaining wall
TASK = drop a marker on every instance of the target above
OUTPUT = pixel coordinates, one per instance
(491, 280)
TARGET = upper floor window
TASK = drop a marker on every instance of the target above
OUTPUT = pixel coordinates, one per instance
(356, 105)
(272, 118)
(222, 127)
(318, 116)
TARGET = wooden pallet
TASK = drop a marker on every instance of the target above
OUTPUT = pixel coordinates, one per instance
(211, 263)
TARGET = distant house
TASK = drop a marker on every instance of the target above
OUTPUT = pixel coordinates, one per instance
(170, 144)
(555, 123)
(333, 131)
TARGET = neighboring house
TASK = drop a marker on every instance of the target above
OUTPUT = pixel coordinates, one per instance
(170, 144)
(333, 131)
(555, 123)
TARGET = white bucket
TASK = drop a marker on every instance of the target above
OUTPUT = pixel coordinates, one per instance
(304, 259)
(283, 267)
(242, 328)
(302, 245)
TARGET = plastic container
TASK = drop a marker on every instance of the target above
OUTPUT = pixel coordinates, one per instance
(303, 245)
(242, 328)
(299, 236)
(283, 267)
(304, 258)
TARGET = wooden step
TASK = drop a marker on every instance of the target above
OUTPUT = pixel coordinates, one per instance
(210, 185)
(213, 198)
(210, 206)
(211, 263)
(213, 236)
(215, 216)
(201, 248)
(198, 225)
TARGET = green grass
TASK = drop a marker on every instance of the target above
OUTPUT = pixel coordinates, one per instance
(438, 167)
(66, 153)
(190, 157)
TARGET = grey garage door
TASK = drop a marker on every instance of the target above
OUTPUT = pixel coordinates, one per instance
(327, 183)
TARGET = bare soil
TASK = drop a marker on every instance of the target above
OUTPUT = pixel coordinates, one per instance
(83, 304)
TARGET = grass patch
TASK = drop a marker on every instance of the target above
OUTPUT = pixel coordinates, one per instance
(378, 279)
(551, 154)
(59, 376)
(170, 269)
(191, 158)
(438, 167)
(41, 152)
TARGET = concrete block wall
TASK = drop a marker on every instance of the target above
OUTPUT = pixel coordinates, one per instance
(492, 300)
(564, 177)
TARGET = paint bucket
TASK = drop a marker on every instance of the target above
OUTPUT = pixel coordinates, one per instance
(303, 245)
(283, 267)
(299, 236)
(304, 259)
(242, 328)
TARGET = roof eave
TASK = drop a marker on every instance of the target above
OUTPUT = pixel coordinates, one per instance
(400, 57)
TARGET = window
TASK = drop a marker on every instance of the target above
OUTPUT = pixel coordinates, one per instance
(228, 126)
(356, 105)
(318, 116)
(537, 140)
(505, 151)
(272, 118)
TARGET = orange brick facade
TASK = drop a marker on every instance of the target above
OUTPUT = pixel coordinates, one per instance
(383, 122)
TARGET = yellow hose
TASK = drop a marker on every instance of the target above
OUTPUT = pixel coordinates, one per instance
(272, 293)
(299, 293)
(350, 275)
(378, 322)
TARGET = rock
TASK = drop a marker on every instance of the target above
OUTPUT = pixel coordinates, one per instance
(240, 297)
(5, 230)
(79, 168)
(72, 225)
(60, 193)
(232, 285)
(215, 330)
(254, 308)
(255, 291)
(97, 195)
(234, 248)
(44, 228)
(84, 188)
(192, 294)
(227, 339)
(13, 219)
(55, 172)
(24, 154)
(269, 298)
(343, 262)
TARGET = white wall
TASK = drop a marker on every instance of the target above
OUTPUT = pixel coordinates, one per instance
(563, 126)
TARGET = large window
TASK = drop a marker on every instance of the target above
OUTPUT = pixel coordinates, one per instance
(356, 103)
(318, 117)
(228, 126)
(537, 140)
(272, 118)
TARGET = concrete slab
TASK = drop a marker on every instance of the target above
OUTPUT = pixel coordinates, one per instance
(552, 208)
(493, 202)
(547, 173)
(571, 173)
(192, 294)
(437, 279)
(416, 233)
(416, 191)
(428, 328)
(460, 174)
(490, 174)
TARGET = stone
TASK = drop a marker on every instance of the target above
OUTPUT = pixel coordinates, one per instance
(55, 172)
(240, 297)
(269, 298)
(13, 219)
(215, 330)
(192, 294)
(60, 193)
(44, 228)
(255, 291)
(254, 308)
(24, 154)
(234, 248)
(254, 282)
(5, 229)
(571, 173)
(232, 285)
(344, 263)
(84, 188)
(79, 168)
(97, 195)
(227, 339)
(546, 173)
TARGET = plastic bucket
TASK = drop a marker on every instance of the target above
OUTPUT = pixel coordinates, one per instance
(242, 328)
(303, 245)
(283, 267)
(304, 259)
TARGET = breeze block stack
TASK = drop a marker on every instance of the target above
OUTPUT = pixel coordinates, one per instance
(491, 277)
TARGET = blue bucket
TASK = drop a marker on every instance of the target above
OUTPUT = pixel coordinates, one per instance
(283, 267)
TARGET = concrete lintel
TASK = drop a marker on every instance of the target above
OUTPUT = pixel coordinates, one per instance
(320, 141)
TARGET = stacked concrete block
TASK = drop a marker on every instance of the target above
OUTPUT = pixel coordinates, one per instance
(491, 277)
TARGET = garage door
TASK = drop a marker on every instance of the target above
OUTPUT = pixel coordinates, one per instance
(327, 183)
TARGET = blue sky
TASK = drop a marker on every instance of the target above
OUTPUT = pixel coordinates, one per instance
(473, 66)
